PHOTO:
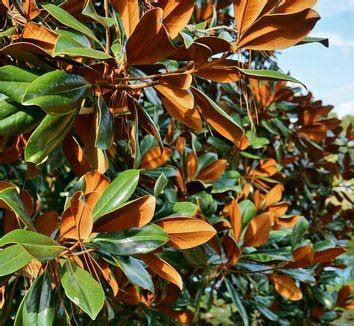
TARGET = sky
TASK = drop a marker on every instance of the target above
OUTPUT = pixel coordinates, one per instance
(327, 72)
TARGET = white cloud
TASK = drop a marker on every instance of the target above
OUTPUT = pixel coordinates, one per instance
(344, 108)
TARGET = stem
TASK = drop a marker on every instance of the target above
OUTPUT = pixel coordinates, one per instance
(127, 87)
(108, 34)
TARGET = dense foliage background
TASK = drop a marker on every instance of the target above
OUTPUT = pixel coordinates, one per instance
(158, 167)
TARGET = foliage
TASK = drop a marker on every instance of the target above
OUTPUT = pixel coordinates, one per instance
(159, 168)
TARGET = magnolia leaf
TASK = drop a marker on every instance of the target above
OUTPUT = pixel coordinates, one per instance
(129, 13)
(131, 242)
(13, 258)
(322, 40)
(135, 272)
(160, 184)
(68, 20)
(117, 193)
(82, 289)
(48, 136)
(163, 269)
(38, 245)
(135, 213)
(154, 158)
(13, 200)
(187, 232)
(286, 287)
(299, 230)
(104, 136)
(238, 302)
(257, 232)
(38, 308)
(16, 119)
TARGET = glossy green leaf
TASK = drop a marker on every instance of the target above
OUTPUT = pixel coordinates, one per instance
(48, 136)
(117, 193)
(38, 308)
(131, 242)
(136, 273)
(85, 52)
(14, 81)
(12, 198)
(56, 92)
(180, 209)
(38, 245)
(68, 20)
(16, 119)
(237, 301)
(160, 184)
(13, 258)
(248, 211)
(89, 11)
(8, 32)
(268, 74)
(104, 137)
(82, 289)
(299, 230)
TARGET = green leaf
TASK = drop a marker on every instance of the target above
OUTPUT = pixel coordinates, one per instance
(180, 209)
(84, 52)
(8, 32)
(82, 289)
(160, 184)
(68, 20)
(117, 193)
(324, 245)
(131, 242)
(12, 198)
(248, 211)
(14, 81)
(89, 11)
(16, 119)
(56, 92)
(299, 230)
(322, 40)
(187, 39)
(38, 245)
(134, 270)
(104, 137)
(13, 258)
(237, 301)
(268, 74)
(48, 136)
(38, 308)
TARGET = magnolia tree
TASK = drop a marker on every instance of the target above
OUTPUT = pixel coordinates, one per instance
(158, 168)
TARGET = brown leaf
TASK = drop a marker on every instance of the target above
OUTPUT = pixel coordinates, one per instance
(47, 222)
(178, 80)
(327, 255)
(176, 14)
(236, 220)
(76, 156)
(233, 252)
(222, 124)
(95, 185)
(303, 257)
(154, 158)
(179, 103)
(129, 13)
(274, 195)
(109, 277)
(30, 8)
(136, 213)
(213, 171)
(163, 269)
(192, 165)
(185, 232)
(222, 71)
(248, 11)
(286, 287)
(290, 6)
(149, 42)
(76, 222)
(39, 35)
(257, 232)
(278, 31)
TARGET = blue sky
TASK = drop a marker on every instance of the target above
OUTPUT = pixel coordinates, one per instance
(327, 72)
